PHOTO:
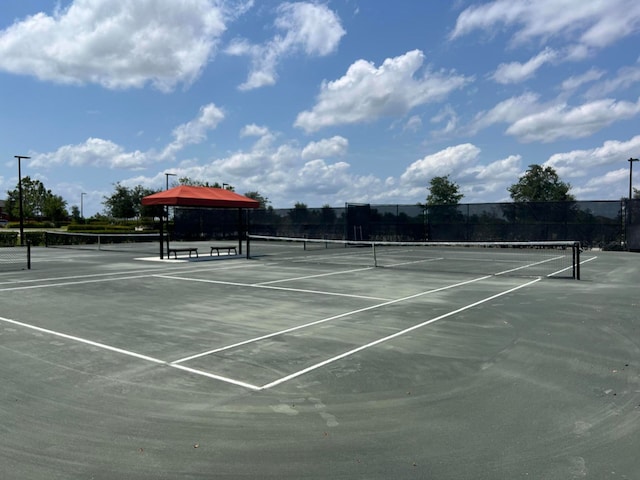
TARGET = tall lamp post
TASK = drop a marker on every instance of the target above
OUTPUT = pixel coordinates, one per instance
(20, 157)
(167, 175)
(629, 207)
(166, 210)
(631, 160)
(82, 205)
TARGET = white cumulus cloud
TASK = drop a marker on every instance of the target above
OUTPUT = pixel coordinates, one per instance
(578, 163)
(98, 152)
(562, 121)
(310, 28)
(516, 72)
(366, 93)
(94, 152)
(115, 43)
(584, 24)
(194, 131)
(328, 147)
(445, 162)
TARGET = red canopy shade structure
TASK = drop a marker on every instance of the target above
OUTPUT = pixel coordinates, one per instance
(188, 196)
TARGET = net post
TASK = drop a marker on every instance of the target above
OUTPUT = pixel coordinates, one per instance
(248, 246)
(576, 247)
(162, 236)
(375, 258)
(99, 242)
(28, 254)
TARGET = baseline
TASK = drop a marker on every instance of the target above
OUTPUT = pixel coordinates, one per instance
(97, 277)
(129, 353)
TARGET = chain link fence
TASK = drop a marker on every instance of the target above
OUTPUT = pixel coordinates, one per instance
(596, 224)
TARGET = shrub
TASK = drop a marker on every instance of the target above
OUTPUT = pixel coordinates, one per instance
(8, 239)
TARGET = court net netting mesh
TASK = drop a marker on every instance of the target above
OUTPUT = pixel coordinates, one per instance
(125, 242)
(535, 259)
(15, 258)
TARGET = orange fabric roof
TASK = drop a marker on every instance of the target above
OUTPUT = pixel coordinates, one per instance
(188, 196)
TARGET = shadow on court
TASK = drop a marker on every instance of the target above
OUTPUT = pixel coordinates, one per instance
(115, 367)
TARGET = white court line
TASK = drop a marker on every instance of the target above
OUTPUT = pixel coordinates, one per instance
(570, 267)
(324, 320)
(128, 353)
(269, 287)
(63, 284)
(390, 337)
(530, 265)
(436, 259)
(94, 277)
(314, 276)
(214, 376)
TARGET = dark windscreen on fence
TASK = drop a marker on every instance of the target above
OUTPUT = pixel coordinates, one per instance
(596, 224)
(593, 223)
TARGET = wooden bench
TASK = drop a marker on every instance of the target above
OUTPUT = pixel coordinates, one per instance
(189, 250)
(227, 248)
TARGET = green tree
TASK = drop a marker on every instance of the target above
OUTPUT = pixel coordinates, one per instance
(327, 215)
(255, 195)
(540, 184)
(443, 191)
(138, 193)
(75, 214)
(126, 202)
(120, 203)
(199, 183)
(55, 208)
(37, 201)
(300, 214)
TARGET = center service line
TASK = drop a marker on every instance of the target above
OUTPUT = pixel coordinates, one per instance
(390, 337)
(268, 287)
(324, 320)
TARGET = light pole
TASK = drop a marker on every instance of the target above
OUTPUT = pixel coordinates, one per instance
(631, 160)
(166, 210)
(167, 175)
(82, 205)
(20, 157)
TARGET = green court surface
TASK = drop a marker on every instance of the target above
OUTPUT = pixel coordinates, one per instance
(117, 365)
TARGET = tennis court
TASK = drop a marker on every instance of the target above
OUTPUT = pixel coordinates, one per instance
(316, 363)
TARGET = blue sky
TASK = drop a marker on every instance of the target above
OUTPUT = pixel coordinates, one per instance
(320, 102)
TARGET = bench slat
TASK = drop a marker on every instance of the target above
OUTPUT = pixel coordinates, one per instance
(175, 251)
(227, 248)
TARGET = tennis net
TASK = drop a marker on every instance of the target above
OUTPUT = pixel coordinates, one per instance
(127, 242)
(15, 258)
(552, 259)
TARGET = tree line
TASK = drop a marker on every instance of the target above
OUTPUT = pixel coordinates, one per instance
(537, 184)
(39, 203)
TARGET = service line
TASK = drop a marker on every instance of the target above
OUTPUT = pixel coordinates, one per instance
(390, 337)
(328, 319)
(269, 287)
